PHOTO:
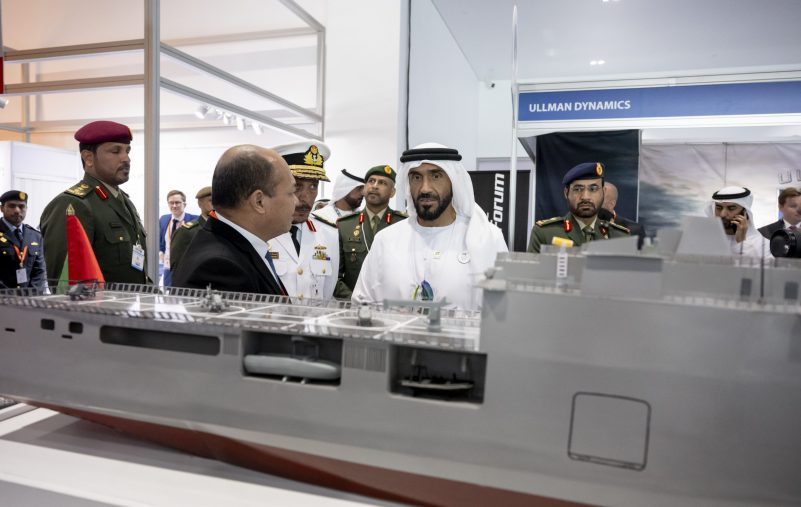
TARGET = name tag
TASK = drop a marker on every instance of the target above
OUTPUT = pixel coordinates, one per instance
(138, 257)
(22, 276)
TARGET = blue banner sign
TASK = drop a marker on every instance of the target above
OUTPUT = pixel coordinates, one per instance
(777, 97)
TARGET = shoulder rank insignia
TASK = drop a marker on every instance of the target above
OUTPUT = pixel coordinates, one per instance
(323, 220)
(619, 227)
(81, 190)
(553, 220)
(189, 225)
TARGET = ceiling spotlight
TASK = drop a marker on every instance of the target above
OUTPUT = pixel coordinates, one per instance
(240, 123)
(219, 113)
(256, 128)
(227, 119)
(3, 102)
(202, 111)
(597, 62)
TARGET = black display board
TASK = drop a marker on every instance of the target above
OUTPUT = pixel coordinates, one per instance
(492, 193)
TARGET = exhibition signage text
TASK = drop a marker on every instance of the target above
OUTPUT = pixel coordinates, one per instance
(777, 97)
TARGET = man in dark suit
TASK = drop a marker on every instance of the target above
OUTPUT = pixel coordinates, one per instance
(790, 207)
(168, 224)
(22, 262)
(253, 194)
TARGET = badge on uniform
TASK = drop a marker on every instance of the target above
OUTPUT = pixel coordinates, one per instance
(356, 232)
(556, 240)
(320, 253)
(138, 257)
(274, 255)
(463, 257)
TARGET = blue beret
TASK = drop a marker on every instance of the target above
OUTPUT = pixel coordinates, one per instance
(103, 132)
(587, 170)
(13, 195)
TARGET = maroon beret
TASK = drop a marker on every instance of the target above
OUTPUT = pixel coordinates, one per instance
(104, 132)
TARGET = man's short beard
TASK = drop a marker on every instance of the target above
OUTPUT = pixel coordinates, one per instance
(353, 203)
(584, 214)
(433, 213)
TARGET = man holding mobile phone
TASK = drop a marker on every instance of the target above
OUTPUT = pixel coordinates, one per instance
(733, 206)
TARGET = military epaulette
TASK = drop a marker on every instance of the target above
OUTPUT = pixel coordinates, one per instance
(81, 190)
(619, 227)
(325, 220)
(189, 225)
(549, 221)
(352, 216)
(400, 213)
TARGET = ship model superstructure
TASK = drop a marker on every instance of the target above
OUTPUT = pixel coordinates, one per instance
(604, 376)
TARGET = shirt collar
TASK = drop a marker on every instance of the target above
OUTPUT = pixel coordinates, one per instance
(11, 227)
(584, 224)
(370, 214)
(258, 244)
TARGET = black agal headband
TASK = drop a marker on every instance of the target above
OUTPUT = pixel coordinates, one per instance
(430, 154)
(737, 195)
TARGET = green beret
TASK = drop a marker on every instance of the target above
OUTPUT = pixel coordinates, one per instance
(381, 170)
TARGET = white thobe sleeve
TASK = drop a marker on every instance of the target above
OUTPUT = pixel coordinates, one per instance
(368, 285)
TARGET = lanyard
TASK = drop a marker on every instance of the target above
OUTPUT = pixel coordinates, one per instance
(21, 255)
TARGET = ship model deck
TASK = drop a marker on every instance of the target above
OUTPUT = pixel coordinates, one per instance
(605, 376)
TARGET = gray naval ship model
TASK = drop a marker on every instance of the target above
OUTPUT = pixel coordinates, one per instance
(603, 376)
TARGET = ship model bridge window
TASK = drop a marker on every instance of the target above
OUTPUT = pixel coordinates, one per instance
(449, 376)
(292, 358)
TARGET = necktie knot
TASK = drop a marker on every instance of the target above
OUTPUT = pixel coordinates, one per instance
(793, 228)
(588, 233)
(294, 232)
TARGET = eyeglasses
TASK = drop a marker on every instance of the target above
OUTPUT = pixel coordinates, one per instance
(579, 189)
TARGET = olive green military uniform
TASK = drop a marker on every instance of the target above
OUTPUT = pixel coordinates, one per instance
(181, 239)
(355, 239)
(112, 225)
(567, 227)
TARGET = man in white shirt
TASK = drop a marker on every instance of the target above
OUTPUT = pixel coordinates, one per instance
(733, 206)
(307, 257)
(346, 198)
(446, 245)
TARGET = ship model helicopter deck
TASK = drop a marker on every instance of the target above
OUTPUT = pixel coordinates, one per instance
(603, 376)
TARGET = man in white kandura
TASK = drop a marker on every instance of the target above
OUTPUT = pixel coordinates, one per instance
(445, 246)
(733, 206)
(346, 198)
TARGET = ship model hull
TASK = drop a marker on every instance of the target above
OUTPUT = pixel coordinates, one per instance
(578, 395)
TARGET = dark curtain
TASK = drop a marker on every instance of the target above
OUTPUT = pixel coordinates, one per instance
(557, 153)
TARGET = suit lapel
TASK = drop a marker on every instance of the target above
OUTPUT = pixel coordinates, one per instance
(245, 247)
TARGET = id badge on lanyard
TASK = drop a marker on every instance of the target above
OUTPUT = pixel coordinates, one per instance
(138, 257)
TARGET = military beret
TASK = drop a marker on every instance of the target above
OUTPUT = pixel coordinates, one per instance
(305, 159)
(104, 132)
(381, 170)
(587, 170)
(203, 192)
(13, 195)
